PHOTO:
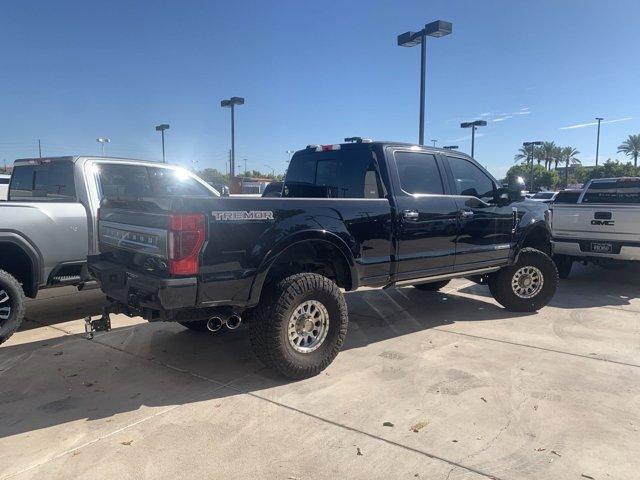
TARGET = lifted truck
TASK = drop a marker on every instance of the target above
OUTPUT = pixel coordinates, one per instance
(48, 225)
(373, 214)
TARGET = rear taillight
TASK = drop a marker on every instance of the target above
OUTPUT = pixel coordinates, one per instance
(186, 237)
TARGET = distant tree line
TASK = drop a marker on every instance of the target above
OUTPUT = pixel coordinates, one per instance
(549, 158)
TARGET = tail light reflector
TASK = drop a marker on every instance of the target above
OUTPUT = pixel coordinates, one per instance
(186, 237)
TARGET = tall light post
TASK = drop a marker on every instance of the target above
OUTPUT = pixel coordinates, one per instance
(161, 128)
(290, 152)
(231, 103)
(436, 29)
(533, 146)
(599, 119)
(102, 141)
(473, 125)
(434, 142)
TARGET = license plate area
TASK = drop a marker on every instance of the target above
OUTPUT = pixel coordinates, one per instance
(600, 247)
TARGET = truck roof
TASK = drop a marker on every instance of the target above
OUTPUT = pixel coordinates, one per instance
(76, 158)
(386, 143)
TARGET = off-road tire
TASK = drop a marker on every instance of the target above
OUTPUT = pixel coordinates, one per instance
(433, 286)
(502, 290)
(270, 322)
(15, 300)
(563, 264)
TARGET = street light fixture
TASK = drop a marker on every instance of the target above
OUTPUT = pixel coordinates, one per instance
(290, 152)
(450, 147)
(436, 29)
(434, 142)
(473, 125)
(231, 103)
(599, 119)
(161, 128)
(102, 141)
(533, 145)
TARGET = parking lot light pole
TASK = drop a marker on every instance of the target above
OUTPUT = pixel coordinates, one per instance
(161, 128)
(437, 29)
(102, 141)
(473, 125)
(533, 147)
(599, 119)
(231, 103)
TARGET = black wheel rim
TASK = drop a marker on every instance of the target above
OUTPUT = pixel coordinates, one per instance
(5, 306)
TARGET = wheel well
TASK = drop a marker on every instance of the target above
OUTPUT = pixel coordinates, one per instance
(539, 239)
(14, 260)
(313, 256)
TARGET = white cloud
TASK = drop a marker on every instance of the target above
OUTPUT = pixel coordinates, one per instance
(468, 137)
(581, 125)
(502, 119)
(485, 114)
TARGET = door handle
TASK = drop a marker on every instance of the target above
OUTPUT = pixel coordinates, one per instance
(410, 214)
(466, 214)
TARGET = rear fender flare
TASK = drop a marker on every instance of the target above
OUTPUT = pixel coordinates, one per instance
(281, 247)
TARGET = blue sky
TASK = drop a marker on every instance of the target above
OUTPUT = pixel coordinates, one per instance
(313, 72)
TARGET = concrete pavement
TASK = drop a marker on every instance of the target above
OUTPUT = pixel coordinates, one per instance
(429, 385)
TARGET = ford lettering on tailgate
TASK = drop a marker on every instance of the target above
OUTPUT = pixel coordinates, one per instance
(144, 240)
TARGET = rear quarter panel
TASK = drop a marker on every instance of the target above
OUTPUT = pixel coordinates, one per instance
(56, 230)
(240, 250)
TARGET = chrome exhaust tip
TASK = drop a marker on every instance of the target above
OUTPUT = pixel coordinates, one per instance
(233, 322)
(214, 324)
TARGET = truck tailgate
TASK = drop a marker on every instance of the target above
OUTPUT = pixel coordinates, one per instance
(598, 222)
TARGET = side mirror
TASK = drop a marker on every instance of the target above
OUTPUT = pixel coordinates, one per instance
(514, 190)
(225, 191)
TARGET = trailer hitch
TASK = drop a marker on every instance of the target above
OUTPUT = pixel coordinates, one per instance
(102, 324)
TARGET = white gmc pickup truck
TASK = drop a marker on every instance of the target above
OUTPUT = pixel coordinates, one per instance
(603, 226)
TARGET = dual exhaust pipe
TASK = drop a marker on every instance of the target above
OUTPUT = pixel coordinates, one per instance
(232, 322)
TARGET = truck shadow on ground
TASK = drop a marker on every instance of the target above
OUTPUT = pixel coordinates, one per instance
(67, 378)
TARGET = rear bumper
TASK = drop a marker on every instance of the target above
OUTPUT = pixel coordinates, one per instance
(578, 249)
(143, 292)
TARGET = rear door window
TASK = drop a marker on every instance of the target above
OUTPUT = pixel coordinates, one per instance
(418, 173)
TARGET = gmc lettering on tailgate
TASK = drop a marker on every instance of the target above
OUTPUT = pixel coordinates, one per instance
(607, 223)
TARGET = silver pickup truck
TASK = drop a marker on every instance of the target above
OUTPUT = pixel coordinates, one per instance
(601, 226)
(48, 224)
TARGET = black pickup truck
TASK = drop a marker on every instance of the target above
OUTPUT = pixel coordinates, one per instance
(363, 214)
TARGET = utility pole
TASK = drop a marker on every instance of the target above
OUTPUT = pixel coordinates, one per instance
(598, 139)
(39, 149)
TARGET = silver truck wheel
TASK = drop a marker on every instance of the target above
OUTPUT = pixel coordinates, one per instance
(308, 326)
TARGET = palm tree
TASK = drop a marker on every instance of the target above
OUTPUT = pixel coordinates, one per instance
(547, 151)
(568, 155)
(631, 148)
(557, 157)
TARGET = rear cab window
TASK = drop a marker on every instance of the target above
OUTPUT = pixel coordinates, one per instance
(418, 173)
(47, 182)
(620, 191)
(126, 181)
(344, 173)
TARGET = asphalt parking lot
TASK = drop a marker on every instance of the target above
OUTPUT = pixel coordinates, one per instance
(429, 385)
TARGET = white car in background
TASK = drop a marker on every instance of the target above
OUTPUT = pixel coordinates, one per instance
(547, 197)
(4, 185)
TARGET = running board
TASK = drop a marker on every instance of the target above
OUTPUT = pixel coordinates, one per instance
(446, 276)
